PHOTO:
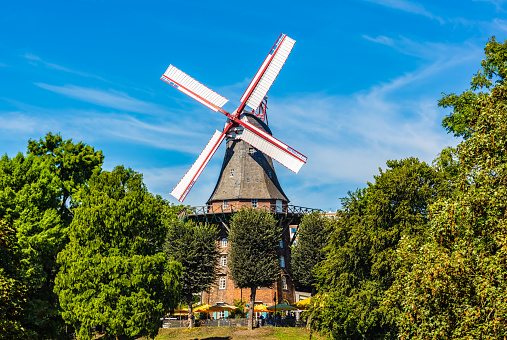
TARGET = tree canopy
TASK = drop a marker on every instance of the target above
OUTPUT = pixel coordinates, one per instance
(312, 235)
(35, 192)
(113, 271)
(254, 259)
(358, 268)
(453, 286)
(194, 246)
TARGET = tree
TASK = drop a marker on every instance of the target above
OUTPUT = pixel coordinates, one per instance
(312, 235)
(454, 285)
(35, 198)
(358, 268)
(254, 260)
(12, 288)
(113, 271)
(494, 71)
(194, 246)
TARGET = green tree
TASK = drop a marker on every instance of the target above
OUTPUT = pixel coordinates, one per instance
(35, 198)
(454, 285)
(114, 272)
(12, 288)
(358, 268)
(254, 260)
(494, 71)
(194, 246)
(312, 235)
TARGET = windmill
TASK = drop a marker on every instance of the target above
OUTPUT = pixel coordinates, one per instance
(237, 125)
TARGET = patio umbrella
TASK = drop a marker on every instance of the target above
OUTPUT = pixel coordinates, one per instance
(222, 306)
(202, 308)
(303, 304)
(261, 308)
(281, 306)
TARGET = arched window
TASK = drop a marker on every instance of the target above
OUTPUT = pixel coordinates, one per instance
(282, 261)
(224, 242)
(284, 283)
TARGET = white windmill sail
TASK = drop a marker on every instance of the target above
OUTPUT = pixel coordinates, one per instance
(264, 78)
(272, 147)
(188, 85)
(181, 190)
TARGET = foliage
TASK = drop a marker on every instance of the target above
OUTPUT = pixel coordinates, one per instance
(35, 193)
(454, 286)
(12, 289)
(358, 268)
(494, 71)
(312, 235)
(113, 271)
(254, 260)
(194, 246)
(238, 313)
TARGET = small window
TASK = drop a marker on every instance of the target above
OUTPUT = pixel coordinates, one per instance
(269, 173)
(224, 242)
(248, 179)
(223, 260)
(221, 315)
(231, 173)
(254, 203)
(221, 282)
(282, 261)
(281, 244)
(225, 205)
(251, 151)
(284, 283)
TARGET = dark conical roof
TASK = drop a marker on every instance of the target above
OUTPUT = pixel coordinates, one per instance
(246, 172)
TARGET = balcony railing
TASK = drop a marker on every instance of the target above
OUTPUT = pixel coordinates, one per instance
(231, 208)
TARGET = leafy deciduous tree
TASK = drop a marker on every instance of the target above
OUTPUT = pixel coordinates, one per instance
(113, 271)
(34, 197)
(358, 268)
(454, 286)
(254, 261)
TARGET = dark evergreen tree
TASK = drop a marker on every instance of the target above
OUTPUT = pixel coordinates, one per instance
(113, 271)
(312, 235)
(254, 260)
(194, 246)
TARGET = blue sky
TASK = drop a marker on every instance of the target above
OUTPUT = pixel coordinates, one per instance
(360, 86)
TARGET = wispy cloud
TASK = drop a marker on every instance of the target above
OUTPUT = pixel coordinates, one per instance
(408, 6)
(35, 59)
(497, 3)
(430, 50)
(107, 98)
(381, 39)
(500, 23)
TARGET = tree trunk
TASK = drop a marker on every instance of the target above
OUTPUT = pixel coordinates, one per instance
(191, 321)
(251, 308)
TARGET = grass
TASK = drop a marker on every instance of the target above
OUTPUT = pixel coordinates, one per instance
(238, 333)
